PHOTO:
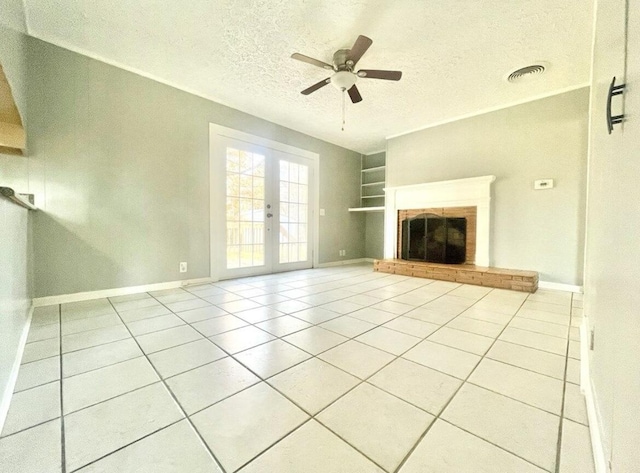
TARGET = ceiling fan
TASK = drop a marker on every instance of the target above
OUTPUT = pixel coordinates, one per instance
(344, 63)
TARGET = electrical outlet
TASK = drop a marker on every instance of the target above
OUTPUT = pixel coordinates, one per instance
(183, 267)
(342, 253)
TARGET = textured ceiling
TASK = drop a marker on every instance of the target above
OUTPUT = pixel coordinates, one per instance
(12, 15)
(454, 54)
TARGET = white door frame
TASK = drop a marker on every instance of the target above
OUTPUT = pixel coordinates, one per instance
(217, 198)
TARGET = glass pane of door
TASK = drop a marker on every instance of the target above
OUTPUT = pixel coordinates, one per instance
(294, 212)
(245, 208)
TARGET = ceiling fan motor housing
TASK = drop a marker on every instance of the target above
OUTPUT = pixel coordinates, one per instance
(340, 60)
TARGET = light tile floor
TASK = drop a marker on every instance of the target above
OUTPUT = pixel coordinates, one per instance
(326, 370)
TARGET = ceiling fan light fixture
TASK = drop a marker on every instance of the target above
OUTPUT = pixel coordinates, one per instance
(343, 80)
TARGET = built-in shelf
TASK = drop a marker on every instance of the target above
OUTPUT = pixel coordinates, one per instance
(372, 181)
(367, 209)
(377, 168)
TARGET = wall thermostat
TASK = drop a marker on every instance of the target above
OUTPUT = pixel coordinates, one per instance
(543, 184)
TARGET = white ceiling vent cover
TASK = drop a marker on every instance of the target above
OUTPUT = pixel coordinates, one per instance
(525, 73)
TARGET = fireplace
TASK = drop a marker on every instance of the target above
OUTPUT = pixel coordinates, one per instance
(444, 198)
(434, 238)
(452, 214)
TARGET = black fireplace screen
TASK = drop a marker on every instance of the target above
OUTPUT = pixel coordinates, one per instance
(436, 239)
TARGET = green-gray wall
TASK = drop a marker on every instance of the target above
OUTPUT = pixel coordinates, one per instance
(534, 230)
(121, 163)
(374, 235)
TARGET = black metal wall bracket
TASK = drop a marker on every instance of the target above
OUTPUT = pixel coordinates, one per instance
(613, 90)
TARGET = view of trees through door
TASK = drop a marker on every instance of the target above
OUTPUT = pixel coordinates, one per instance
(267, 210)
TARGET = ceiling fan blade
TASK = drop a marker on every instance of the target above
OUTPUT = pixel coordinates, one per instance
(359, 48)
(315, 87)
(354, 93)
(310, 60)
(374, 74)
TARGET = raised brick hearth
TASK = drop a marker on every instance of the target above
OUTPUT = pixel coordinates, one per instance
(514, 279)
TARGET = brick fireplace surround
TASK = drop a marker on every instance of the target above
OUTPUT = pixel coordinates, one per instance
(469, 198)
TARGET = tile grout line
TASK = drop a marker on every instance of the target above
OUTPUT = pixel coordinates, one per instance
(564, 392)
(127, 445)
(312, 416)
(315, 356)
(298, 427)
(175, 400)
(424, 434)
(91, 346)
(311, 354)
(30, 427)
(523, 329)
(362, 381)
(63, 452)
(208, 338)
(525, 369)
(495, 444)
(365, 380)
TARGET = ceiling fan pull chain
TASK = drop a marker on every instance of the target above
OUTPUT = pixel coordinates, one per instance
(343, 109)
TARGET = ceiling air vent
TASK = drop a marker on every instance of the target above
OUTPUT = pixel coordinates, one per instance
(526, 72)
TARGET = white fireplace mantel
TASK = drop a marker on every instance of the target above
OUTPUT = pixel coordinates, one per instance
(470, 192)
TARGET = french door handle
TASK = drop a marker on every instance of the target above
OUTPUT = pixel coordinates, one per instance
(269, 215)
(613, 90)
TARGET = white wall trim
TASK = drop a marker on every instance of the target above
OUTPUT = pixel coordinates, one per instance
(469, 192)
(586, 387)
(13, 376)
(345, 262)
(493, 109)
(559, 286)
(120, 291)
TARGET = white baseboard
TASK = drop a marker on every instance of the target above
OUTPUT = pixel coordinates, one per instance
(586, 387)
(121, 291)
(556, 286)
(344, 262)
(13, 376)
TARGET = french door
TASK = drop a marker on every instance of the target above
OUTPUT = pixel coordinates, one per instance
(267, 210)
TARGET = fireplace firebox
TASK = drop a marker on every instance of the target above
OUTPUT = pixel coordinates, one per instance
(436, 239)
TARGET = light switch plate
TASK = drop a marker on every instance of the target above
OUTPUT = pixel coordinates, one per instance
(322, 212)
(543, 184)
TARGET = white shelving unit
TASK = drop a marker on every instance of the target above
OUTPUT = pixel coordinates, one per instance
(372, 182)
